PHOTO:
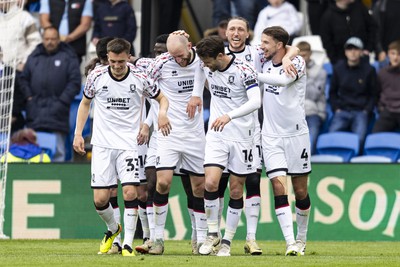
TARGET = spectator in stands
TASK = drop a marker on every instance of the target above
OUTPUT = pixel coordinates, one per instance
(342, 20)
(247, 9)
(50, 80)
(389, 92)
(22, 25)
(353, 91)
(278, 13)
(18, 103)
(71, 18)
(24, 148)
(386, 14)
(114, 18)
(314, 10)
(315, 102)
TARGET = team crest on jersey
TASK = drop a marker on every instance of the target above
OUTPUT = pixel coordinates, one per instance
(281, 71)
(132, 88)
(57, 63)
(174, 73)
(209, 74)
(104, 88)
(231, 79)
(248, 57)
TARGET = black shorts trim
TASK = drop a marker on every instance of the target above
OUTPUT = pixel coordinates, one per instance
(214, 165)
(277, 170)
(130, 183)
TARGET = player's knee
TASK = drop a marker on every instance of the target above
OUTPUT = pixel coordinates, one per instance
(236, 192)
(129, 192)
(301, 193)
(198, 190)
(163, 186)
(211, 185)
(279, 185)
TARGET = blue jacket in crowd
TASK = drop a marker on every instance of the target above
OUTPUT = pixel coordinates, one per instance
(52, 80)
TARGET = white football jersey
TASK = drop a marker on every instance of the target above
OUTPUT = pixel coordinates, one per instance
(228, 90)
(253, 55)
(176, 83)
(117, 106)
(144, 64)
(284, 113)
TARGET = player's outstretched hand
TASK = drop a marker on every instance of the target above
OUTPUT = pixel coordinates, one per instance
(144, 133)
(194, 103)
(288, 66)
(79, 144)
(164, 126)
(219, 124)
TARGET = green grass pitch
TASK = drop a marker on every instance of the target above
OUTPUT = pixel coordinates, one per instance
(82, 253)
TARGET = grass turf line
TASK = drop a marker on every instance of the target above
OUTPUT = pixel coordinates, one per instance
(83, 252)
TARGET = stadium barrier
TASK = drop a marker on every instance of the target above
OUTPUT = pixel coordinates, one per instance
(349, 202)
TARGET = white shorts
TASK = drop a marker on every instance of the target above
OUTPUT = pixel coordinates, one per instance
(109, 165)
(186, 149)
(257, 150)
(151, 151)
(287, 155)
(237, 157)
(142, 156)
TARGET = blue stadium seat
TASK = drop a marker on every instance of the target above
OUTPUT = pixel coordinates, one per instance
(326, 159)
(385, 144)
(370, 159)
(343, 144)
(48, 142)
